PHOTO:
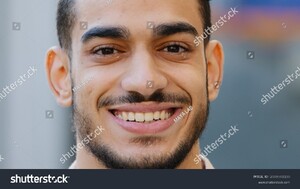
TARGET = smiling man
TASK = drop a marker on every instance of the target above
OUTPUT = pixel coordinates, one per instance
(146, 71)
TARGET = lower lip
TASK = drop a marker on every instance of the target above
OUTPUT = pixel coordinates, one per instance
(147, 128)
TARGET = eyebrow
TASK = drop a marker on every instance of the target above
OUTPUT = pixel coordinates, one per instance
(105, 32)
(168, 29)
(161, 30)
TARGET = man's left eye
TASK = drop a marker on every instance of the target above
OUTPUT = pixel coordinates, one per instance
(175, 49)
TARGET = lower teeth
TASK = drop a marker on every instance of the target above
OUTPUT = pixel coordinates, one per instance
(143, 121)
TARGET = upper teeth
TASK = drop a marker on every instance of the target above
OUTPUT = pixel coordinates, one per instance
(143, 117)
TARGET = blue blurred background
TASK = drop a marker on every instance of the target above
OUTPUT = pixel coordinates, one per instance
(269, 28)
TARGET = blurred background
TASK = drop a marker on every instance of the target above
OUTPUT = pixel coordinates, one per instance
(261, 46)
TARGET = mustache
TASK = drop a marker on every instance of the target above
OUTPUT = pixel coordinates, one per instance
(135, 97)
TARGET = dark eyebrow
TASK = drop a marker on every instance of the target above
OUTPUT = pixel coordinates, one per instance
(167, 29)
(105, 32)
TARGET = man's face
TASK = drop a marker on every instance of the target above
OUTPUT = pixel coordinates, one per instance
(140, 70)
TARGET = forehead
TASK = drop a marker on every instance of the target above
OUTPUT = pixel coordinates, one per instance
(134, 13)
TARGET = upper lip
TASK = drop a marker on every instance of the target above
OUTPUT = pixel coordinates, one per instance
(144, 107)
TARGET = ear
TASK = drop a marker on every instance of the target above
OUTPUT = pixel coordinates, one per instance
(58, 75)
(215, 61)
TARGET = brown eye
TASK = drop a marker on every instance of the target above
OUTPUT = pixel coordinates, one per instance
(105, 51)
(175, 48)
(175, 51)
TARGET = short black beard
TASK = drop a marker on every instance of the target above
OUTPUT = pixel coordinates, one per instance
(111, 159)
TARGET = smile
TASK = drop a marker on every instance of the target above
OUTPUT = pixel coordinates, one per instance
(145, 118)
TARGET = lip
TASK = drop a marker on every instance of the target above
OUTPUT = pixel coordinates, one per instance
(145, 128)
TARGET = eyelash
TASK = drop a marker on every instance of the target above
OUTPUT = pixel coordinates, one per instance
(178, 45)
(166, 49)
(101, 48)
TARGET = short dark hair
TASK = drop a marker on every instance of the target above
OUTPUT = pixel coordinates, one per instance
(65, 21)
(66, 17)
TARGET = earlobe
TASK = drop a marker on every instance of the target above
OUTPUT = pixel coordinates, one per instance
(215, 61)
(58, 75)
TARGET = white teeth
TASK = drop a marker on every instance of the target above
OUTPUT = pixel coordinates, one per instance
(163, 115)
(147, 117)
(124, 116)
(167, 115)
(119, 116)
(156, 115)
(131, 116)
(139, 117)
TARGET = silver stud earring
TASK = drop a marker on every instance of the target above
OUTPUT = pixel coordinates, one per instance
(217, 85)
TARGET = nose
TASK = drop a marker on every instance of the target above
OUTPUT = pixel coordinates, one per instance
(144, 74)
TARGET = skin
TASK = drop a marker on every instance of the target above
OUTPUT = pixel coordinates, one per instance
(144, 58)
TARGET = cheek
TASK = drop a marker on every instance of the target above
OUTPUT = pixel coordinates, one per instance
(89, 84)
(197, 89)
(193, 81)
(83, 93)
